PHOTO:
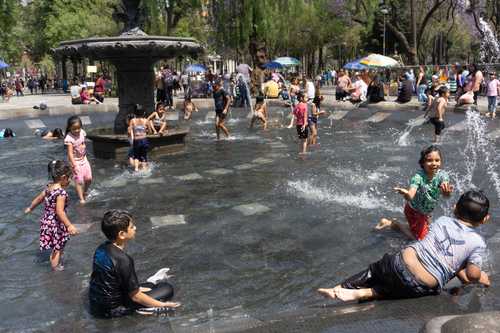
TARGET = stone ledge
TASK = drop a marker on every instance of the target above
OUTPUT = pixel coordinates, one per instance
(484, 322)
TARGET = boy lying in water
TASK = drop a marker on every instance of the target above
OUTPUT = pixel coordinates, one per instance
(451, 248)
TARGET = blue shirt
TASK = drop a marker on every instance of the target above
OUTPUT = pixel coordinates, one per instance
(448, 247)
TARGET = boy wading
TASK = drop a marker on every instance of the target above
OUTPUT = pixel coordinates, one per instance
(221, 101)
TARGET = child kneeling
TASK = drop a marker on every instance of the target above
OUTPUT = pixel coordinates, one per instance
(451, 248)
(114, 289)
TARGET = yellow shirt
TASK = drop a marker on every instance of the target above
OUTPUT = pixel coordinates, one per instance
(271, 89)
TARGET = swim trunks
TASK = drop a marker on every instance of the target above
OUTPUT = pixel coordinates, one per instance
(438, 125)
(220, 114)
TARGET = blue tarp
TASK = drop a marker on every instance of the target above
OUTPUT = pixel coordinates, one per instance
(273, 65)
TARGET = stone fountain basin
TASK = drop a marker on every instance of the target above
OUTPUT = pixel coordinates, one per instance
(107, 145)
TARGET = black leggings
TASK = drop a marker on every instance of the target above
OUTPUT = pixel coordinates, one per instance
(162, 292)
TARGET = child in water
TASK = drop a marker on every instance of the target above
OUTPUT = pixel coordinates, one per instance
(158, 120)
(260, 112)
(77, 156)
(130, 153)
(300, 116)
(55, 227)
(137, 130)
(189, 108)
(437, 110)
(114, 288)
(422, 196)
(313, 119)
(452, 248)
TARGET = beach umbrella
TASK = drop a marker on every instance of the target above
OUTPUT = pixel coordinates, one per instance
(273, 65)
(355, 65)
(378, 60)
(287, 61)
(3, 64)
(196, 68)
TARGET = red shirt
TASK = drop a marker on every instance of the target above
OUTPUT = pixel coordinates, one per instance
(299, 112)
(99, 85)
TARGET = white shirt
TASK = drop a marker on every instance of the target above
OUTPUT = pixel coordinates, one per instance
(311, 91)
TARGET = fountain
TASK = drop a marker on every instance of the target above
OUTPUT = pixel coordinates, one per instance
(133, 53)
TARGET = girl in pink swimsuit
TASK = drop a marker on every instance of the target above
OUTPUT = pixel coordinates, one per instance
(77, 156)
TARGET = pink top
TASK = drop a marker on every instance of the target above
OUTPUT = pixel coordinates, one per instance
(493, 87)
(299, 112)
(78, 143)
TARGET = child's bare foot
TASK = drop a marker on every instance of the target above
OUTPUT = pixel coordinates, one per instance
(327, 292)
(347, 295)
(383, 224)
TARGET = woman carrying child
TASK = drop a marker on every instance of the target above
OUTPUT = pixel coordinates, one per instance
(55, 227)
(426, 187)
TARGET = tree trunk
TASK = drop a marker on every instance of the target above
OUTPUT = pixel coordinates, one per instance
(403, 41)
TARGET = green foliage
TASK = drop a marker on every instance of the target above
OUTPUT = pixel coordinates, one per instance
(9, 34)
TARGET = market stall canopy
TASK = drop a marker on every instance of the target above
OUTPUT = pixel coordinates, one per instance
(273, 65)
(378, 60)
(196, 68)
(3, 64)
(287, 61)
(355, 65)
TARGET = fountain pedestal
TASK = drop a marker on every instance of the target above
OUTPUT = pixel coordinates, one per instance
(108, 145)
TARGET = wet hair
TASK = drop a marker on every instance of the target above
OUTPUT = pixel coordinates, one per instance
(443, 90)
(427, 151)
(114, 221)
(8, 133)
(72, 121)
(317, 100)
(158, 106)
(187, 98)
(58, 133)
(259, 99)
(130, 116)
(139, 110)
(472, 207)
(58, 169)
(300, 96)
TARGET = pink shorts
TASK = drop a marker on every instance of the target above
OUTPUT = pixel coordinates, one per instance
(82, 172)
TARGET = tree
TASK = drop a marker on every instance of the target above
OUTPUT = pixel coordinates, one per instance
(10, 47)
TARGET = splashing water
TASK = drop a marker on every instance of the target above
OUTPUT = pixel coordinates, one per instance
(403, 139)
(490, 48)
(478, 148)
(363, 199)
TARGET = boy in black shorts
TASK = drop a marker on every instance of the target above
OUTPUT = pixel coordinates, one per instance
(221, 100)
(437, 110)
(114, 289)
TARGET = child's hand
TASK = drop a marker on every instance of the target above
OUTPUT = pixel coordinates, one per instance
(72, 230)
(172, 304)
(446, 188)
(401, 190)
(27, 210)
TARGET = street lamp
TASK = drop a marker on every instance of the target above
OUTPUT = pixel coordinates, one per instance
(384, 12)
